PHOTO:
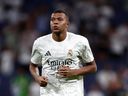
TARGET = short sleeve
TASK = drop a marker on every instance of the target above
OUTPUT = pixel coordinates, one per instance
(35, 55)
(87, 55)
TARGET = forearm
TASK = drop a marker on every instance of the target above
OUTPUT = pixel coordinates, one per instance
(65, 71)
(32, 69)
(89, 68)
(42, 81)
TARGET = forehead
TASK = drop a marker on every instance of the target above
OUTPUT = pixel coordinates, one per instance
(58, 15)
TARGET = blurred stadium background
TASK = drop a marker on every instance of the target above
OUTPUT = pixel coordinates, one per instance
(103, 22)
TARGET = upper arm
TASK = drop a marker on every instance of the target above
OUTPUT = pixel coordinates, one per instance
(87, 55)
(34, 65)
(35, 68)
(92, 65)
(36, 56)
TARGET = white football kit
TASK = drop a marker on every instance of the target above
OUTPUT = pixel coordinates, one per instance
(74, 52)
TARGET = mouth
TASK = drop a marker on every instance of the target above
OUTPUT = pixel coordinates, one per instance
(55, 28)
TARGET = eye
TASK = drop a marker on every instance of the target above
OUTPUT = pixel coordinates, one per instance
(60, 19)
(52, 19)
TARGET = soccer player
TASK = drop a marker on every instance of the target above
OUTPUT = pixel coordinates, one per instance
(65, 57)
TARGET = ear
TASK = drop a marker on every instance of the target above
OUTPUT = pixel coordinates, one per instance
(68, 22)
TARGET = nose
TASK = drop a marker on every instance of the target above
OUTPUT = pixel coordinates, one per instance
(55, 21)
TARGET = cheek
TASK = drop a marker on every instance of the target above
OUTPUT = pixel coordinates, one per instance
(64, 24)
(51, 25)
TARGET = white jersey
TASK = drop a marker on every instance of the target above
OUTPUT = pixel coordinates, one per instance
(74, 51)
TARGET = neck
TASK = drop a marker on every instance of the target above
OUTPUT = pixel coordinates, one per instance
(59, 36)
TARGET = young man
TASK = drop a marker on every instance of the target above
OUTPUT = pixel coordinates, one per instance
(64, 57)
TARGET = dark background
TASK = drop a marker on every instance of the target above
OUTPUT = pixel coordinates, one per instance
(103, 22)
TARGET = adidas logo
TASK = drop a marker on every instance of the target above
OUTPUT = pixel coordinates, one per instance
(47, 53)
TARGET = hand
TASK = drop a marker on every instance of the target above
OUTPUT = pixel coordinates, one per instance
(65, 71)
(42, 81)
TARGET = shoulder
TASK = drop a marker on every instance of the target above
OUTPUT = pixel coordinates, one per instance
(77, 37)
(42, 39)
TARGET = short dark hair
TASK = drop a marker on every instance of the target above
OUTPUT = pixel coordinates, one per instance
(61, 11)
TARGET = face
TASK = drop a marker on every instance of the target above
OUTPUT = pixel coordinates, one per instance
(58, 22)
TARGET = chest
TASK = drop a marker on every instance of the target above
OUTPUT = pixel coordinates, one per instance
(59, 50)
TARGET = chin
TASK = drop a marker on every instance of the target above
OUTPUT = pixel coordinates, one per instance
(56, 31)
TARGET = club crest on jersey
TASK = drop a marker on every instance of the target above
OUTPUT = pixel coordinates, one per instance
(70, 53)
